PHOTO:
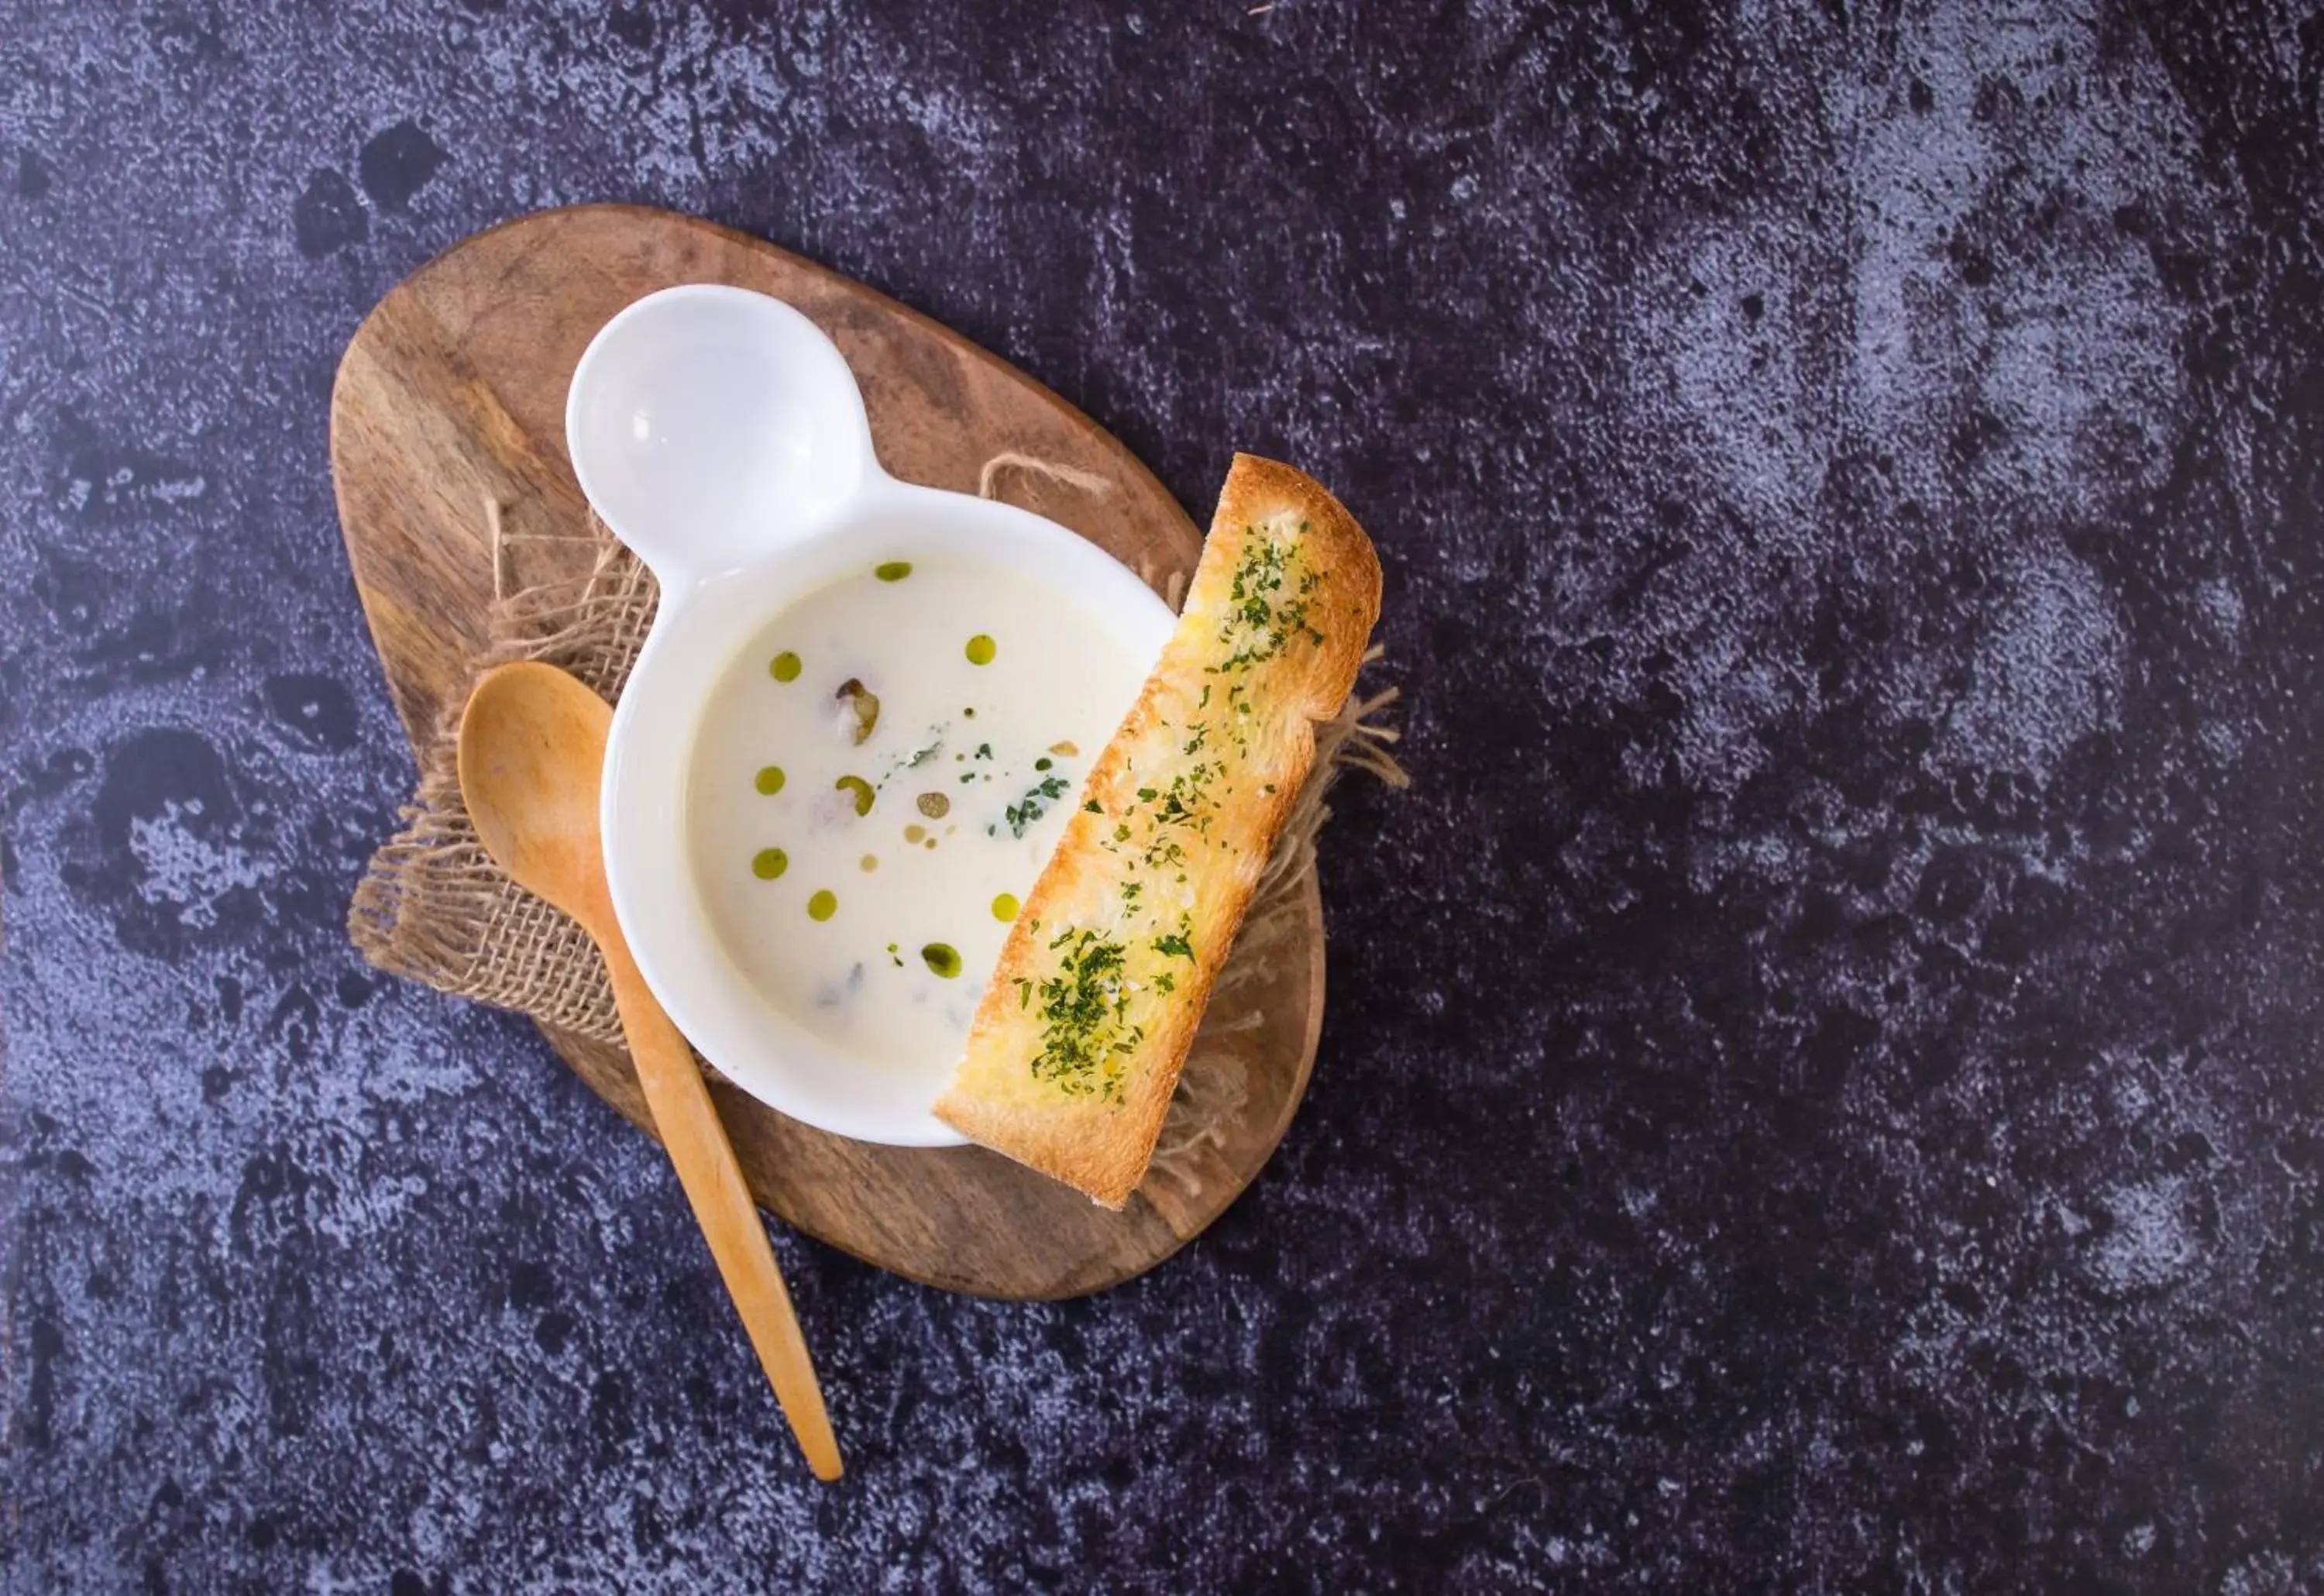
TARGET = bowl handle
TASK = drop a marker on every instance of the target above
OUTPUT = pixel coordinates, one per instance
(710, 425)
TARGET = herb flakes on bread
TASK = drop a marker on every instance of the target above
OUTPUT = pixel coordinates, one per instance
(1079, 1038)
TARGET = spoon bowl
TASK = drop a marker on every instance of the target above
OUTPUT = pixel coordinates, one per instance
(531, 758)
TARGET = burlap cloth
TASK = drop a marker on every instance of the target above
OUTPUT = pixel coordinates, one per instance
(433, 906)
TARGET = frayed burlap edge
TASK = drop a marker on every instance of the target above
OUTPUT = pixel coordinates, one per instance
(433, 907)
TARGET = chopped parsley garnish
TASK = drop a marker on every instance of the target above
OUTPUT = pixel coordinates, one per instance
(1182, 803)
(1084, 1012)
(1268, 602)
(1034, 804)
(930, 745)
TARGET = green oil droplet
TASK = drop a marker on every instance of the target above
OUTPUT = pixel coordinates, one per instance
(894, 570)
(767, 863)
(771, 779)
(940, 958)
(784, 667)
(860, 788)
(980, 650)
(1005, 907)
(822, 906)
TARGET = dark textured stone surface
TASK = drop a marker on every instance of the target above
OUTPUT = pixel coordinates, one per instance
(1822, 1091)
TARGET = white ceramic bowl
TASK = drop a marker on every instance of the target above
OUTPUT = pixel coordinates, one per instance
(721, 436)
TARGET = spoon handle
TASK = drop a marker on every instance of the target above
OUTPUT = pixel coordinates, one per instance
(696, 1142)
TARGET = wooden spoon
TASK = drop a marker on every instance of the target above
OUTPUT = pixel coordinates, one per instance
(532, 749)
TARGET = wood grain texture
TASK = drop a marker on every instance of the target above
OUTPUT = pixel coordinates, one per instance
(453, 391)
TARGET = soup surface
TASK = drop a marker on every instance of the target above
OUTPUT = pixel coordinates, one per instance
(878, 779)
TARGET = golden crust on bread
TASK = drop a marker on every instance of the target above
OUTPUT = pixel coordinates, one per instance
(1079, 1038)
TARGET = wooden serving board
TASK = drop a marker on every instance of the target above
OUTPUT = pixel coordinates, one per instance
(453, 391)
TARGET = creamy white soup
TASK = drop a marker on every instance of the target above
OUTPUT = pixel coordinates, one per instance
(878, 779)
